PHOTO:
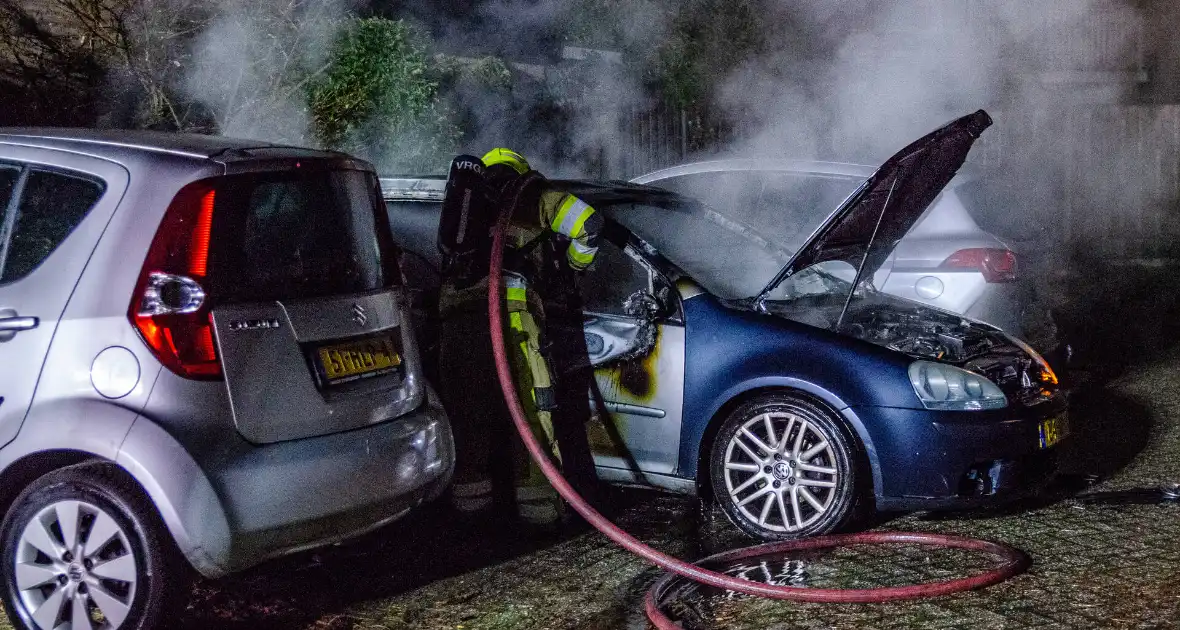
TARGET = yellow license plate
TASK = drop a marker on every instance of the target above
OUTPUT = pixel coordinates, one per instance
(1053, 431)
(358, 359)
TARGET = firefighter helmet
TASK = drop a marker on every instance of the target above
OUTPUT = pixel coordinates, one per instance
(507, 157)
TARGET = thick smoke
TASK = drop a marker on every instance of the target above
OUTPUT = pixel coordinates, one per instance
(838, 80)
(248, 62)
(878, 74)
(569, 117)
(854, 81)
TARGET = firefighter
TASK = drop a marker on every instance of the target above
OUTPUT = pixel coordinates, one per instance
(543, 220)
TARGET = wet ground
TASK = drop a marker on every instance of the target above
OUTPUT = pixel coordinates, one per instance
(1105, 546)
(1108, 559)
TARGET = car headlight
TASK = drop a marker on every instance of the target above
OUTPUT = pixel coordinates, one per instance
(948, 388)
(1048, 376)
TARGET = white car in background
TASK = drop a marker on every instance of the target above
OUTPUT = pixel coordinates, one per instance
(946, 260)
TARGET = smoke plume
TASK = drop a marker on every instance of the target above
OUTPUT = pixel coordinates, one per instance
(249, 63)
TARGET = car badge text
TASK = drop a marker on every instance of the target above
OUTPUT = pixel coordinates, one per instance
(254, 324)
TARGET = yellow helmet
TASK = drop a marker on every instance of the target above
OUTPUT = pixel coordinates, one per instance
(507, 157)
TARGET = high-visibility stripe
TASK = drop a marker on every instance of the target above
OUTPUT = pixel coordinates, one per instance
(517, 295)
(571, 216)
(514, 281)
(583, 248)
(579, 229)
(563, 212)
(535, 493)
(516, 292)
(515, 322)
(580, 256)
(538, 514)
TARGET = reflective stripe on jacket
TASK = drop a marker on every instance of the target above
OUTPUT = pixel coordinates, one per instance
(571, 217)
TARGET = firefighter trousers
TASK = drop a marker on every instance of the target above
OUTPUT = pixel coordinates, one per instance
(489, 454)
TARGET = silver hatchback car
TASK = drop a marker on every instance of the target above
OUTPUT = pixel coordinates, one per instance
(946, 260)
(205, 361)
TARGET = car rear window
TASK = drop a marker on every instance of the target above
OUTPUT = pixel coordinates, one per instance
(300, 234)
(995, 207)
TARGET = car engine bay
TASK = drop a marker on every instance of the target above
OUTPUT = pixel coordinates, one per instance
(927, 333)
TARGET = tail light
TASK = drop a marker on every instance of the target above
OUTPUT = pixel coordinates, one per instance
(170, 307)
(996, 265)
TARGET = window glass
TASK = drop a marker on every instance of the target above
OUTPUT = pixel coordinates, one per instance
(9, 173)
(728, 259)
(732, 193)
(51, 206)
(614, 277)
(301, 235)
(793, 206)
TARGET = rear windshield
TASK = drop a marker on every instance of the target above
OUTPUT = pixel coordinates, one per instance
(996, 207)
(300, 234)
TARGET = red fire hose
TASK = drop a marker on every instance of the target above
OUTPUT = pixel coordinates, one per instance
(1013, 560)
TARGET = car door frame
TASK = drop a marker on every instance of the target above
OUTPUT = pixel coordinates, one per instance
(68, 259)
(668, 365)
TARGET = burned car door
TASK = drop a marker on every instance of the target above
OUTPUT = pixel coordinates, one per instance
(636, 341)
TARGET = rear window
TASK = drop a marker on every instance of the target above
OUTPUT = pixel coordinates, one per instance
(302, 234)
(995, 207)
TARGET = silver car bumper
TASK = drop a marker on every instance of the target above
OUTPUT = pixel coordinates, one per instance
(254, 503)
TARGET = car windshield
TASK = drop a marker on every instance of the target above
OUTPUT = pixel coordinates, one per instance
(747, 226)
(729, 259)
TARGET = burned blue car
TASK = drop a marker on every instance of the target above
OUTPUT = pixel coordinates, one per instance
(771, 375)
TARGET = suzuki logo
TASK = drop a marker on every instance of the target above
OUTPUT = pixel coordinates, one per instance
(359, 315)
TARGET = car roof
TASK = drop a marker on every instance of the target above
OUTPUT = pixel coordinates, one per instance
(115, 142)
(813, 167)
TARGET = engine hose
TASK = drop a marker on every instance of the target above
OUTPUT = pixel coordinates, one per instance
(1013, 560)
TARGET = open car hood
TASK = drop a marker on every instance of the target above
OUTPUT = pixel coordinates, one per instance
(864, 230)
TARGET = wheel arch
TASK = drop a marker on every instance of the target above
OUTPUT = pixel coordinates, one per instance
(191, 509)
(71, 431)
(25, 470)
(751, 390)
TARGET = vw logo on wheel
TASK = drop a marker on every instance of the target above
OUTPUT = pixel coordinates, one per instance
(359, 315)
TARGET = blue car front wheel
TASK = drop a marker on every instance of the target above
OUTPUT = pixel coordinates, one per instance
(783, 466)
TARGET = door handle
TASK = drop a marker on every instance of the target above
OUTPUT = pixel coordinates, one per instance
(11, 323)
(17, 324)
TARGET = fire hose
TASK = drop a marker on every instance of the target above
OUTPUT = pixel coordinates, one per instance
(1013, 561)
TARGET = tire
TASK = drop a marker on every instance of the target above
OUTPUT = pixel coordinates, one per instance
(42, 590)
(763, 491)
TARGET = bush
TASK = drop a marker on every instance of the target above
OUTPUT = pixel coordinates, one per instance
(377, 98)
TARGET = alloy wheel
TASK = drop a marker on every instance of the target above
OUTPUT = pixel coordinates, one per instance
(780, 471)
(75, 565)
